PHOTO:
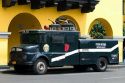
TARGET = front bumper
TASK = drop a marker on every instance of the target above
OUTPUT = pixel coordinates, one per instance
(114, 61)
(12, 63)
(20, 58)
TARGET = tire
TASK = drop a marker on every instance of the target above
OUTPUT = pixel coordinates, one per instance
(101, 65)
(40, 67)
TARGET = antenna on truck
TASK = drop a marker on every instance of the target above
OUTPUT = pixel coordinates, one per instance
(51, 21)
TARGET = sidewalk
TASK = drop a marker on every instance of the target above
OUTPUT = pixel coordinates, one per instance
(5, 68)
(120, 65)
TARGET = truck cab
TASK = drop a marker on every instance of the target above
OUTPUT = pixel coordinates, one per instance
(41, 49)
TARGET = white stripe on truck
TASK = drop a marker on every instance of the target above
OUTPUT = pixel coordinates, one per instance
(83, 50)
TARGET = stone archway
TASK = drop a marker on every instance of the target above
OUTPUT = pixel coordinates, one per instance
(70, 20)
(105, 24)
(20, 22)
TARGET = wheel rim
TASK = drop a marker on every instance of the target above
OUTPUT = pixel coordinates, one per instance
(41, 67)
(102, 65)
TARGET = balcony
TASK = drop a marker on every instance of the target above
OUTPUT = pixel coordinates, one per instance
(86, 6)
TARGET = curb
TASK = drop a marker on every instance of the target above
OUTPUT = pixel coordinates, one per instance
(7, 68)
(4, 68)
(117, 66)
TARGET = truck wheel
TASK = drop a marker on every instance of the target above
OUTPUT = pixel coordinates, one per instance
(40, 67)
(101, 65)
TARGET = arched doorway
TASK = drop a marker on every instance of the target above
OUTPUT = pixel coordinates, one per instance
(20, 22)
(107, 27)
(68, 19)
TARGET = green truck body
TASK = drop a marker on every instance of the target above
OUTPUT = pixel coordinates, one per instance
(41, 49)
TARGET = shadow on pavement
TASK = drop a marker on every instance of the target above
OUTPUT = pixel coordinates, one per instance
(53, 71)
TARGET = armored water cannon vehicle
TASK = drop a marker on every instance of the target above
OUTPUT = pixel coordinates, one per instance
(40, 49)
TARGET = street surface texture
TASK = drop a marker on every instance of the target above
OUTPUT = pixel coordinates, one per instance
(66, 75)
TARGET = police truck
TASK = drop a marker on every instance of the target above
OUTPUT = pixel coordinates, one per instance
(40, 49)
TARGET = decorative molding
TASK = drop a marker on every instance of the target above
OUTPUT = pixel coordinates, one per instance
(5, 35)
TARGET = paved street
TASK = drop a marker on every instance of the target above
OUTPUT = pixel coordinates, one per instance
(112, 75)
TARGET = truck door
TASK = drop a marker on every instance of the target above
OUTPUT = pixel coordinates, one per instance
(72, 53)
(57, 49)
(64, 49)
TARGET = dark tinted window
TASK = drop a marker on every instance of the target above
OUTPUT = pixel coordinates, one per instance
(57, 38)
(30, 38)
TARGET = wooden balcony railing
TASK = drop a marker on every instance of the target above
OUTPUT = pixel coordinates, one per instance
(86, 6)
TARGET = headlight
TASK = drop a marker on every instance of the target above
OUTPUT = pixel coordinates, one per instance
(19, 49)
(114, 56)
(24, 57)
(13, 49)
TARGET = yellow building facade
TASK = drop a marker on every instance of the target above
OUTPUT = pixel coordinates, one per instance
(19, 17)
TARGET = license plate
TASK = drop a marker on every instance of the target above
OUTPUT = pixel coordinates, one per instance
(14, 62)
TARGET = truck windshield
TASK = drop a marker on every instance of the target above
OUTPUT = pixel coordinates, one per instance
(30, 38)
